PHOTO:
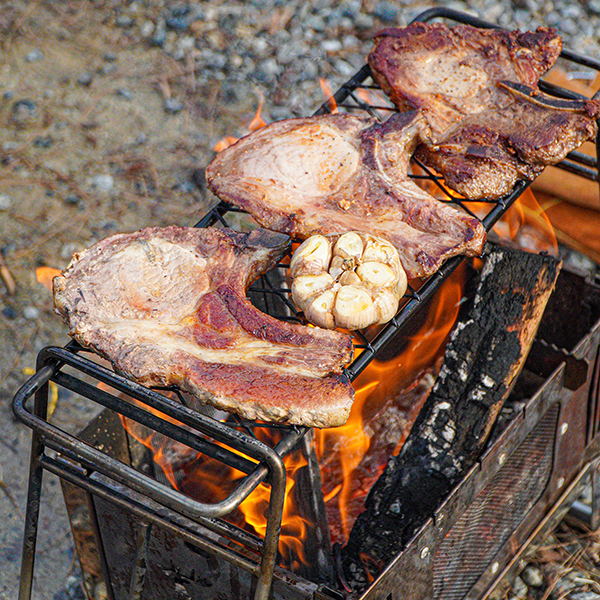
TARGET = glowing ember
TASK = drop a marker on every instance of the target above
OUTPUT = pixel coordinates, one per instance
(45, 275)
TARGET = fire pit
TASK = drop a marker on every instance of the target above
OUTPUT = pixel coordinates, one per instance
(144, 538)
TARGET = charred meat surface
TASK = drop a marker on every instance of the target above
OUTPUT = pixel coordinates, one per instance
(478, 89)
(167, 306)
(337, 173)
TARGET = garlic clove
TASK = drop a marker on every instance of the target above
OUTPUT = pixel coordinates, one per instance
(354, 308)
(312, 256)
(376, 274)
(379, 251)
(387, 303)
(305, 286)
(337, 267)
(320, 310)
(349, 278)
(349, 245)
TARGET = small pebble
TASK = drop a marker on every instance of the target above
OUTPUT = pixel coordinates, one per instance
(532, 576)
(388, 12)
(178, 23)
(331, 45)
(172, 106)
(6, 202)
(147, 28)
(23, 112)
(44, 141)
(102, 183)
(73, 200)
(123, 93)
(31, 313)
(84, 79)
(9, 312)
(124, 22)
(519, 589)
(34, 56)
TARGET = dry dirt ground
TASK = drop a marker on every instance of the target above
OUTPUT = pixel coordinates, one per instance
(86, 149)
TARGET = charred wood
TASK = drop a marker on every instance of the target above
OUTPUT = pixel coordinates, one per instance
(486, 351)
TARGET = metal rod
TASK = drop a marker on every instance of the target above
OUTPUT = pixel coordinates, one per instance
(106, 574)
(272, 532)
(152, 421)
(38, 385)
(215, 429)
(81, 452)
(123, 497)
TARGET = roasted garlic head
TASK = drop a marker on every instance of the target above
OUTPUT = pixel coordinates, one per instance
(350, 280)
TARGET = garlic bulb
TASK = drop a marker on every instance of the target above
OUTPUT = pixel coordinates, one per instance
(351, 280)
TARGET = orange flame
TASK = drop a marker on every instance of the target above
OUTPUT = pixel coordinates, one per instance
(225, 142)
(328, 95)
(293, 526)
(257, 121)
(351, 455)
(45, 275)
(527, 224)
(255, 124)
(209, 480)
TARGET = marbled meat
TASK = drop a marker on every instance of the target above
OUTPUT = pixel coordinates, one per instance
(337, 173)
(478, 89)
(167, 306)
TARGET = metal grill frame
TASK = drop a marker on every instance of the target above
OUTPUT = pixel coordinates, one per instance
(52, 362)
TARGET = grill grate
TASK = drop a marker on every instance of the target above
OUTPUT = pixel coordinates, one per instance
(352, 98)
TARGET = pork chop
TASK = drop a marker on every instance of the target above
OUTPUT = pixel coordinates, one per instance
(337, 173)
(168, 307)
(478, 89)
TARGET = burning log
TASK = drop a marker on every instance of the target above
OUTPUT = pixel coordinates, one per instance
(483, 358)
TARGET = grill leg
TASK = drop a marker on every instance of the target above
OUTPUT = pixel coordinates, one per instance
(34, 494)
(271, 542)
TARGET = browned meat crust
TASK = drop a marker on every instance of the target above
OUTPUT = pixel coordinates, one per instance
(168, 307)
(478, 90)
(338, 173)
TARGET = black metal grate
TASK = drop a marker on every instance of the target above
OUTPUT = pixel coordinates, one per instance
(362, 95)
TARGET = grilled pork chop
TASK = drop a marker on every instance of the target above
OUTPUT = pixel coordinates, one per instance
(168, 307)
(477, 88)
(338, 173)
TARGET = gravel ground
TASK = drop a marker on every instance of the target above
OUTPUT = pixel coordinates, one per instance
(110, 111)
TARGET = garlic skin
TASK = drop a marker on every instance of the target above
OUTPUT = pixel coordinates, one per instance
(349, 280)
